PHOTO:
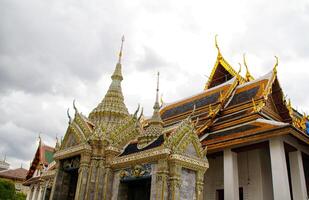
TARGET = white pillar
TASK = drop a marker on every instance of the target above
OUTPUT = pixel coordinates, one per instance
(297, 175)
(34, 192)
(30, 193)
(40, 192)
(281, 188)
(231, 186)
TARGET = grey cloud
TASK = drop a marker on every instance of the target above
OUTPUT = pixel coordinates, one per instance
(150, 60)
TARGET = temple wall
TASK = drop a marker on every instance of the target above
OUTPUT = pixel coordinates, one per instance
(188, 183)
(254, 175)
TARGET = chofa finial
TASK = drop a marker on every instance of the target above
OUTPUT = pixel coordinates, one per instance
(121, 47)
(276, 64)
(216, 42)
(249, 77)
(68, 113)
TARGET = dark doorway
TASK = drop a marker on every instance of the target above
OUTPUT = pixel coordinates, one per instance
(73, 176)
(220, 194)
(136, 189)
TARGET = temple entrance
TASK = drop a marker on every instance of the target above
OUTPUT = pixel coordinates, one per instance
(72, 183)
(67, 179)
(135, 189)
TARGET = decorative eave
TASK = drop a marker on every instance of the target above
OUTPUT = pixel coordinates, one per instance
(223, 100)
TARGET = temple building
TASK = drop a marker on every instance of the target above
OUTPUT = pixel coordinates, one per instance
(16, 176)
(239, 138)
(41, 173)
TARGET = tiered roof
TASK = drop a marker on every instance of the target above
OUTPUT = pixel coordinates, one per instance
(234, 109)
(43, 157)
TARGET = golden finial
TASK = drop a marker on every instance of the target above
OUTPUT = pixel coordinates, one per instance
(239, 69)
(121, 47)
(217, 46)
(276, 65)
(221, 96)
(210, 112)
(161, 100)
(254, 105)
(68, 114)
(74, 106)
(249, 77)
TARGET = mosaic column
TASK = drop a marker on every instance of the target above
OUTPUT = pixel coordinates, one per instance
(100, 180)
(161, 180)
(174, 180)
(82, 176)
(199, 184)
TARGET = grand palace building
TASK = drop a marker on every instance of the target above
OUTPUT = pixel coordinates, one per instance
(239, 138)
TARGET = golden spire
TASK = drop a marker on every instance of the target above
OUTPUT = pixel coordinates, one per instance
(276, 65)
(121, 47)
(156, 108)
(155, 125)
(112, 109)
(249, 77)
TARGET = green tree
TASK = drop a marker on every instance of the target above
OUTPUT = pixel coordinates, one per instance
(7, 190)
(20, 196)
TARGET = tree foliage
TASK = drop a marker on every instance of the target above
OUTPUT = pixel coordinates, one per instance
(8, 192)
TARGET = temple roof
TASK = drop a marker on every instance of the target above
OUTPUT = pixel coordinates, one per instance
(43, 157)
(234, 105)
(14, 174)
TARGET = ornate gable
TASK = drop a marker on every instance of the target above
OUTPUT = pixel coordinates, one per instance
(184, 138)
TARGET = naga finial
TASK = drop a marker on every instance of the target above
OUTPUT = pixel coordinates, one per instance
(217, 46)
(68, 114)
(193, 111)
(276, 64)
(249, 77)
(141, 114)
(74, 106)
(239, 69)
(40, 139)
(121, 47)
(135, 113)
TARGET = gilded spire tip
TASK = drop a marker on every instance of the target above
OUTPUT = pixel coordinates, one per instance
(121, 47)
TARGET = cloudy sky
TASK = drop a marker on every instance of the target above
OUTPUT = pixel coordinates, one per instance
(52, 52)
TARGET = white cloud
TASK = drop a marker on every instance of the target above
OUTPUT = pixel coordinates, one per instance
(55, 51)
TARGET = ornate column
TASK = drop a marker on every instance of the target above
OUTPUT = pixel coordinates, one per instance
(199, 184)
(174, 181)
(82, 176)
(162, 179)
(100, 180)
